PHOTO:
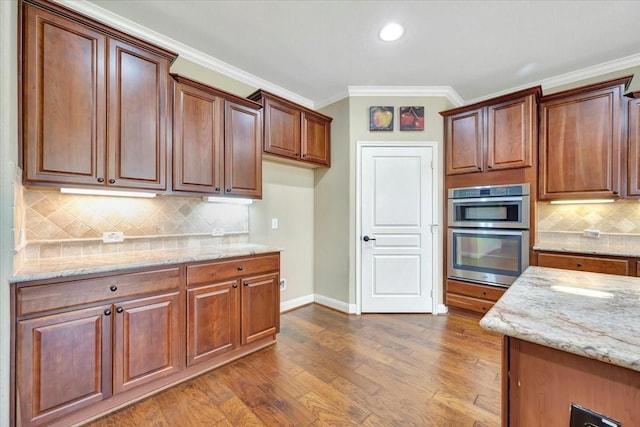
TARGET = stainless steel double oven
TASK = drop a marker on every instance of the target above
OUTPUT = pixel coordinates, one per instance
(488, 235)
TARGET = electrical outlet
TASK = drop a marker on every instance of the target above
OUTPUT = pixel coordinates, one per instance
(217, 232)
(113, 237)
(283, 284)
(274, 223)
(592, 234)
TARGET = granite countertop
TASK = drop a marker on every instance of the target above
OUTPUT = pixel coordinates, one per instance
(52, 268)
(589, 314)
(587, 249)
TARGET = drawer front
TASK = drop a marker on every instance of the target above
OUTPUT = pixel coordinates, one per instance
(475, 290)
(225, 270)
(638, 268)
(36, 299)
(469, 303)
(584, 263)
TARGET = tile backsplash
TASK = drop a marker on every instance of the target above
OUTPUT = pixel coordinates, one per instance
(58, 225)
(618, 223)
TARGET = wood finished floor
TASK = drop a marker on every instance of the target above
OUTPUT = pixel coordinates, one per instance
(331, 369)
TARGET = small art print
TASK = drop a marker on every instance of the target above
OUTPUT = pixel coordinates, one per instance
(411, 118)
(380, 118)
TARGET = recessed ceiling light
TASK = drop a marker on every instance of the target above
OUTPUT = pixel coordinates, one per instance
(391, 32)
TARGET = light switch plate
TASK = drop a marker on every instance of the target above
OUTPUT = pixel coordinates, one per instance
(274, 223)
(113, 237)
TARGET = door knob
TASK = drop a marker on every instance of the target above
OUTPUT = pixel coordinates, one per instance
(367, 238)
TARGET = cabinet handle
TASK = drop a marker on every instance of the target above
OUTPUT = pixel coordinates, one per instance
(479, 168)
(228, 190)
(240, 268)
(112, 181)
(217, 188)
(246, 283)
(615, 193)
(235, 285)
(304, 155)
(107, 312)
(484, 308)
(489, 166)
(100, 179)
(484, 292)
(113, 288)
(119, 309)
(579, 264)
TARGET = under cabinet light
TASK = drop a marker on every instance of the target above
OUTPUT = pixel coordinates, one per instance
(391, 32)
(580, 202)
(92, 192)
(232, 200)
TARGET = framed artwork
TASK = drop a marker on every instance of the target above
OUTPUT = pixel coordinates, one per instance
(411, 118)
(380, 118)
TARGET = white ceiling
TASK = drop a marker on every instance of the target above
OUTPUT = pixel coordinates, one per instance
(317, 49)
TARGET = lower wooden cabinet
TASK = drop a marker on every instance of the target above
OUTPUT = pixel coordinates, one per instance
(88, 345)
(472, 297)
(581, 262)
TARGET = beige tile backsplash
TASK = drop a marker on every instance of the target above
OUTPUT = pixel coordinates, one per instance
(62, 225)
(618, 223)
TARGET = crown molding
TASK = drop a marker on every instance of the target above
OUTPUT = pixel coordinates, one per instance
(181, 49)
(443, 91)
(571, 77)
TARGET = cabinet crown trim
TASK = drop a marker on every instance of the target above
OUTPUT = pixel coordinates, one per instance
(217, 92)
(259, 94)
(588, 88)
(536, 90)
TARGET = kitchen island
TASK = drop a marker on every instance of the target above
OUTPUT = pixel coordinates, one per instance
(570, 337)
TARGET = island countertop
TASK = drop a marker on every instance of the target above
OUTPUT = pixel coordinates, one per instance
(75, 266)
(589, 314)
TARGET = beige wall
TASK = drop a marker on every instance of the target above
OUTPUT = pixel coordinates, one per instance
(8, 160)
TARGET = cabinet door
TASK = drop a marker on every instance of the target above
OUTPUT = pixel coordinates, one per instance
(281, 129)
(633, 161)
(510, 134)
(580, 139)
(198, 133)
(138, 93)
(63, 363)
(243, 156)
(64, 100)
(464, 142)
(260, 307)
(148, 341)
(213, 321)
(316, 139)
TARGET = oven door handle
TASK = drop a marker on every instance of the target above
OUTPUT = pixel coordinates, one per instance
(488, 199)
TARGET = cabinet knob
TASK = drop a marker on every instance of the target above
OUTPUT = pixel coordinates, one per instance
(217, 188)
(112, 181)
(484, 292)
(235, 285)
(240, 268)
(228, 190)
(484, 308)
(615, 193)
(119, 309)
(579, 264)
(100, 179)
(246, 283)
(113, 288)
(304, 155)
(107, 312)
(489, 166)
(479, 168)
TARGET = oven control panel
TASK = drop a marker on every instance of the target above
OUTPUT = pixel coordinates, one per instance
(489, 191)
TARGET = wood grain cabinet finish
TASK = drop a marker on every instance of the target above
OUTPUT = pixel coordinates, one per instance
(107, 124)
(294, 132)
(493, 135)
(633, 159)
(581, 141)
(216, 141)
(231, 303)
(581, 262)
(472, 297)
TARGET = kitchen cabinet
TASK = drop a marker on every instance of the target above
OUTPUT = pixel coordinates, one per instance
(231, 303)
(106, 126)
(294, 132)
(633, 159)
(472, 297)
(581, 141)
(494, 135)
(216, 141)
(79, 342)
(580, 262)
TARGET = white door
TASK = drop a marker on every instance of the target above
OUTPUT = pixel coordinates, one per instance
(397, 236)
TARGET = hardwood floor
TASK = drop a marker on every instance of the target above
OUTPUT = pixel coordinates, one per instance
(328, 368)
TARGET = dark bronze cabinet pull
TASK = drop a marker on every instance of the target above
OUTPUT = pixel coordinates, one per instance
(100, 179)
(107, 312)
(119, 309)
(113, 288)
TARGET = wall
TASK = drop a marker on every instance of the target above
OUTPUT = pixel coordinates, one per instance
(8, 160)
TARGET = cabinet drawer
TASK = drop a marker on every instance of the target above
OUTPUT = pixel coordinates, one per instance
(35, 299)
(469, 303)
(584, 263)
(638, 268)
(475, 290)
(225, 270)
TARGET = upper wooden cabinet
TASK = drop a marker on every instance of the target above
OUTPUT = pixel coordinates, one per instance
(581, 140)
(633, 159)
(216, 141)
(294, 132)
(94, 103)
(493, 135)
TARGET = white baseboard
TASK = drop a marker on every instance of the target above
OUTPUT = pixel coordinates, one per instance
(442, 309)
(320, 299)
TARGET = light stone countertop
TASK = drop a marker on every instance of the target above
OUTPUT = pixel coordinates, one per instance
(52, 268)
(590, 250)
(542, 307)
